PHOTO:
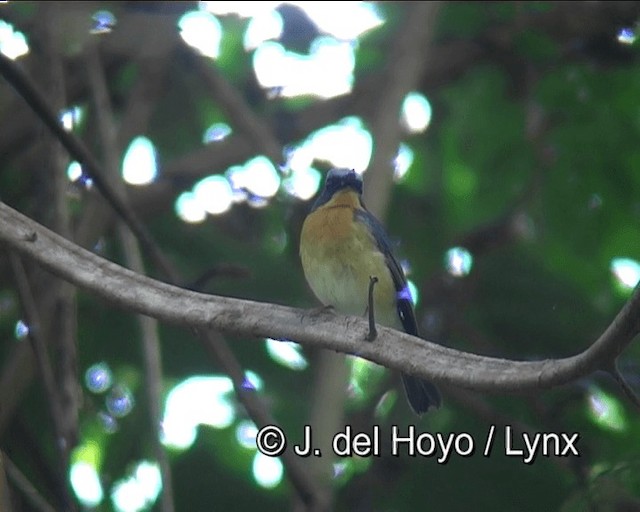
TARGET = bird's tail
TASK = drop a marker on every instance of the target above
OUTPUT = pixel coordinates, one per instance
(421, 394)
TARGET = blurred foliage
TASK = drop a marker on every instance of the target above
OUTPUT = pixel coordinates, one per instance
(531, 162)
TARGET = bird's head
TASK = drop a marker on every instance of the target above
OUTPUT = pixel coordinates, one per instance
(338, 180)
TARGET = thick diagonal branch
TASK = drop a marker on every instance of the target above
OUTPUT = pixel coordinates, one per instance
(393, 349)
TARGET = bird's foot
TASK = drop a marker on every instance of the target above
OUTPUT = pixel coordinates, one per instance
(373, 332)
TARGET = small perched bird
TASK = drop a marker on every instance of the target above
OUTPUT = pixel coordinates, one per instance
(342, 246)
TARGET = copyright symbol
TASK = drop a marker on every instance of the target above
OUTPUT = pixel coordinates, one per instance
(270, 440)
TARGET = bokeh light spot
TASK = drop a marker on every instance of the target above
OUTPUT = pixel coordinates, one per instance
(267, 471)
(85, 483)
(214, 194)
(198, 400)
(347, 144)
(626, 272)
(402, 162)
(606, 411)
(189, 209)
(303, 183)
(104, 21)
(263, 26)
(258, 176)
(98, 378)
(416, 112)
(326, 72)
(216, 132)
(138, 491)
(458, 261)
(626, 36)
(71, 117)
(13, 43)
(139, 166)
(21, 330)
(287, 354)
(119, 401)
(202, 31)
(246, 432)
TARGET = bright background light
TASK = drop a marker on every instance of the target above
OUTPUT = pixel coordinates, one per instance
(303, 183)
(85, 483)
(198, 400)
(138, 491)
(13, 43)
(262, 27)
(257, 176)
(21, 330)
(346, 144)
(83, 475)
(326, 72)
(216, 132)
(606, 411)
(71, 117)
(267, 471)
(246, 432)
(416, 112)
(104, 21)
(287, 354)
(202, 31)
(98, 378)
(402, 162)
(189, 209)
(214, 194)
(458, 261)
(626, 272)
(139, 166)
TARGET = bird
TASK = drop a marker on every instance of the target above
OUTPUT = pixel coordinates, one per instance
(342, 247)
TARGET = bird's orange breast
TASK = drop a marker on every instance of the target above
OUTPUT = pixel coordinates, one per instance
(339, 254)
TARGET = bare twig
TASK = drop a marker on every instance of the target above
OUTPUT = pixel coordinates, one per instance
(153, 373)
(22, 483)
(213, 342)
(5, 494)
(42, 357)
(405, 63)
(236, 109)
(38, 103)
(133, 258)
(629, 392)
(141, 102)
(307, 489)
(61, 327)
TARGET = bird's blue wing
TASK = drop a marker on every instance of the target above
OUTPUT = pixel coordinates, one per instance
(403, 296)
(421, 394)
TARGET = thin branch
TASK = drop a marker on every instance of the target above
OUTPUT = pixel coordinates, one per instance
(212, 341)
(421, 358)
(306, 488)
(61, 326)
(406, 61)
(5, 493)
(133, 257)
(153, 373)
(38, 103)
(22, 483)
(236, 109)
(624, 385)
(42, 359)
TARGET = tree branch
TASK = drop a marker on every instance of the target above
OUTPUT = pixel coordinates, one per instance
(150, 339)
(22, 483)
(38, 103)
(421, 358)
